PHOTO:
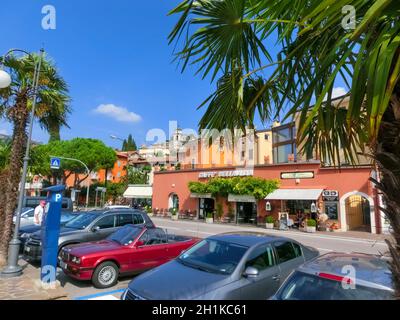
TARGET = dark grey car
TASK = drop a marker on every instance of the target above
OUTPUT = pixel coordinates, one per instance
(87, 227)
(231, 266)
(340, 276)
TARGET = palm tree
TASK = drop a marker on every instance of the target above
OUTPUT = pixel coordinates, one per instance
(15, 105)
(5, 148)
(237, 40)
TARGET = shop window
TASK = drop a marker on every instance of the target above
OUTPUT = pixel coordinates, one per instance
(331, 210)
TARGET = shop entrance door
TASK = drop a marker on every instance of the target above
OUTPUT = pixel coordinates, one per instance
(246, 212)
(206, 206)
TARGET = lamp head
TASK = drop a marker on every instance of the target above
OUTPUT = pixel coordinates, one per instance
(5, 79)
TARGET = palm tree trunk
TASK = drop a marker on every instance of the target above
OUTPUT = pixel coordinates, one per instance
(387, 156)
(54, 131)
(19, 116)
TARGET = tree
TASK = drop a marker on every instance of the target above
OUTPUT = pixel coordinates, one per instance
(137, 176)
(129, 145)
(92, 152)
(5, 148)
(15, 105)
(230, 39)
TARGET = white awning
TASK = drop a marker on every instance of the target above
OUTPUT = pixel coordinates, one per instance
(139, 192)
(295, 194)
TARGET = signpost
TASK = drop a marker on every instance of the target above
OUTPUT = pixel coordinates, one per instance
(55, 163)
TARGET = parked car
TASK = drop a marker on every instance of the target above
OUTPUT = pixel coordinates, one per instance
(327, 278)
(26, 230)
(26, 216)
(130, 250)
(33, 202)
(233, 266)
(89, 226)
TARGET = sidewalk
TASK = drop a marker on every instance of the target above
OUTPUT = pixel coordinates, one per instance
(25, 287)
(360, 235)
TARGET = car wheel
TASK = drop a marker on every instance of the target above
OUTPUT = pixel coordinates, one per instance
(105, 275)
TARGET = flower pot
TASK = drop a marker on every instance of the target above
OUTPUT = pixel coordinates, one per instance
(174, 217)
(311, 229)
(209, 220)
(269, 225)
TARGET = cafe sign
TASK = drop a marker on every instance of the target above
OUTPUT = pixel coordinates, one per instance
(297, 175)
(330, 195)
(226, 174)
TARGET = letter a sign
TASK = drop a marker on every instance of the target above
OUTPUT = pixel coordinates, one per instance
(55, 163)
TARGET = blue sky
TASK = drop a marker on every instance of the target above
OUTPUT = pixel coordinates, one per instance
(115, 58)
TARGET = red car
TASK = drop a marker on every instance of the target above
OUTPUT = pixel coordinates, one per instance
(130, 250)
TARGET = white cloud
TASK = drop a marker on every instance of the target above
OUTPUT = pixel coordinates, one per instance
(3, 131)
(337, 92)
(120, 114)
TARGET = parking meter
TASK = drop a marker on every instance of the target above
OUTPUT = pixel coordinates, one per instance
(50, 233)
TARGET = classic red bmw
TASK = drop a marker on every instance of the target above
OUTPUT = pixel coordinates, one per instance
(130, 250)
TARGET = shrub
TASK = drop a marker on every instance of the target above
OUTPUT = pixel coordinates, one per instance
(311, 223)
(269, 219)
(173, 211)
(219, 210)
(209, 215)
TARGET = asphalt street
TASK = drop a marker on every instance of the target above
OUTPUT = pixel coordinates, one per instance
(323, 242)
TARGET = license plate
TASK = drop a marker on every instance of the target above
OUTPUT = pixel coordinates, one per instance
(63, 265)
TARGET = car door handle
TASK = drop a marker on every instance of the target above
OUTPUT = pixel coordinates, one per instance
(276, 278)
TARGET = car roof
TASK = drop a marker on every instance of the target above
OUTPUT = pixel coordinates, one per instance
(247, 238)
(369, 268)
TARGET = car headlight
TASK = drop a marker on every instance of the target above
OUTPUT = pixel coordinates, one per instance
(76, 260)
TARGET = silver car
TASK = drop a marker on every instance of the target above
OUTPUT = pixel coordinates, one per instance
(340, 276)
(234, 266)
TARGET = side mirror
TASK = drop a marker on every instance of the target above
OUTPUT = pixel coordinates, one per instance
(251, 272)
(96, 229)
(139, 244)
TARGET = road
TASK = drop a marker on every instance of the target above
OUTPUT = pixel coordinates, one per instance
(324, 243)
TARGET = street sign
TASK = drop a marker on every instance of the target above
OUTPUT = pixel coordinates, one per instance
(55, 163)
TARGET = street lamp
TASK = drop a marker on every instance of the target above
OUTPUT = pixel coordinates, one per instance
(13, 269)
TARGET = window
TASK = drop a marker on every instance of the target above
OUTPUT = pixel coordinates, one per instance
(153, 237)
(106, 222)
(118, 174)
(282, 135)
(281, 153)
(285, 251)
(266, 137)
(119, 164)
(261, 258)
(137, 219)
(297, 249)
(124, 219)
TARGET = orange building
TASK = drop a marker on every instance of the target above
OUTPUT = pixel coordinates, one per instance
(113, 175)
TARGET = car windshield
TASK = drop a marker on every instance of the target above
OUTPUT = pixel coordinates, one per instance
(81, 221)
(126, 235)
(213, 256)
(67, 216)
(302, 286)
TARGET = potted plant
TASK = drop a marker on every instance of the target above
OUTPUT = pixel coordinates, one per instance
(174, 213)
(335, 227)
(311, 226)
(209, 218)
(149, 211)
(269, 222)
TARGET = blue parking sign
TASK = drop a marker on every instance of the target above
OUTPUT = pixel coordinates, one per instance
(55, 163)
